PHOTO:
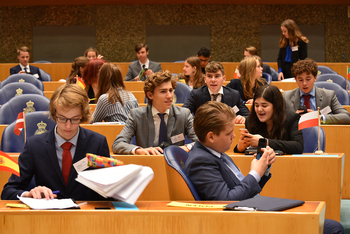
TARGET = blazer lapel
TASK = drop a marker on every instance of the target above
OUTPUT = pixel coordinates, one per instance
(318, 97)
(295, 98)
(171, 123)
(150, 125)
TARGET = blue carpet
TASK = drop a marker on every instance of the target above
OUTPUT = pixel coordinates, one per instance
(345, 215)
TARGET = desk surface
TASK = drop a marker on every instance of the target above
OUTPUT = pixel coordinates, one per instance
(157, 217)
(316, 178)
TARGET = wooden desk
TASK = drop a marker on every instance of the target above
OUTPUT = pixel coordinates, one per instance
(285, 85)
(316, 178)
(156, 217)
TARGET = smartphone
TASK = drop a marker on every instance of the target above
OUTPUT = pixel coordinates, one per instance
(302, 108)
(262, 144)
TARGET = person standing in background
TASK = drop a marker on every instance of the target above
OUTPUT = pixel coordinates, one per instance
(293, 47)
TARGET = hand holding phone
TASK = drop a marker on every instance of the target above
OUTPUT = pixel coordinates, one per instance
(262, 144)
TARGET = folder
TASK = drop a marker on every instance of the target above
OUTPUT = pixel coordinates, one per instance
(261, 203)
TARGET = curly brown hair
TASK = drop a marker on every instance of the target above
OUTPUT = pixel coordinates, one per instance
(307, 65)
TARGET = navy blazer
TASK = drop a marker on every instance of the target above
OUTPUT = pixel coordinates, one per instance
(201, 95)
(300, 54)
(39, 159)
(33, 70)
(213, 180)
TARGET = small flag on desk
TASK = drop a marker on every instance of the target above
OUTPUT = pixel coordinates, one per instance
(308, 120)
(19, 124)
(8, 164)
(348, 72)
(236, 75)
(81, 83)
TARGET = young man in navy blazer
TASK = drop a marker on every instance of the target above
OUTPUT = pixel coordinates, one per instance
(214, 91)
(43, 155)
(23, 66)
(214, 174)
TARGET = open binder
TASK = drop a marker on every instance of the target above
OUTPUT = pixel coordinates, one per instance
(262, 203)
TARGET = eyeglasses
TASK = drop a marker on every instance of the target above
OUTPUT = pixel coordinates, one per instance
(64, 120)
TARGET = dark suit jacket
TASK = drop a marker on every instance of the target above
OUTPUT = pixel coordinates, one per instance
(236, 84)
(292, 141)
(300, 54)
(135, 69)
(39, 159)
(33, 70)
(213, 180)
(140, 124)
(324, 98)
(201, 95)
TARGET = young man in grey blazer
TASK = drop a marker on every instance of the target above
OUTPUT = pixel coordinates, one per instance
(305, 73)
(159, 124)
(144, 64)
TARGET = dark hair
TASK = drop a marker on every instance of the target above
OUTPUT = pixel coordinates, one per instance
(212, 117)
(294, 34)
(139, 46)
(110, 79)
(251, 50)
(205, 52)
(273, 95)
(154, 80)
(307, 65)
(75, 71)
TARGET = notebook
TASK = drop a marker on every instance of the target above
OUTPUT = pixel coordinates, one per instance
(262, 203)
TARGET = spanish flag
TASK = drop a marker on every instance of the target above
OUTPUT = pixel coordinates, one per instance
(8, 164)
(81, 83)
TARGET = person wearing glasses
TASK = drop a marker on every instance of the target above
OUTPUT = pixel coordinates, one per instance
(50, 157)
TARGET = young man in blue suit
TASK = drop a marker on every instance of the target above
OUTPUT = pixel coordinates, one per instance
(214, 174)
(144, 63)
(214, 91)
(145, 123)
(23, 66)
(47, 158)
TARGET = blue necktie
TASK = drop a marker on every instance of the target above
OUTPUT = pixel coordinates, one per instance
(162, 129)
(232, 166)
(25, 70)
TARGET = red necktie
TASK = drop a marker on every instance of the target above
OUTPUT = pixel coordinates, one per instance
(66, 161)
(306, 100)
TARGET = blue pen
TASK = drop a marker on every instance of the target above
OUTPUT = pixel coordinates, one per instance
(55, 192)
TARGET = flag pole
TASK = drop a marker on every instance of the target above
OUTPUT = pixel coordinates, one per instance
(347, 85)
(319, 151)
(24, 125)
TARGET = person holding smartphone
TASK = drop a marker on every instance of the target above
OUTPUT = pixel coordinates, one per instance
(268, 119)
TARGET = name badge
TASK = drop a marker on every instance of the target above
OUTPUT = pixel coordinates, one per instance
(81, 165)
(177, 138)
(326, 110)
(295, 48)
(235, 109)
(36, 76)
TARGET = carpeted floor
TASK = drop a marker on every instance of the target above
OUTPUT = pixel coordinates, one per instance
(345, 215)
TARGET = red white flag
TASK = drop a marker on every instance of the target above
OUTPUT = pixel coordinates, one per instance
(236, 75)
(19, 124)
(308, 120)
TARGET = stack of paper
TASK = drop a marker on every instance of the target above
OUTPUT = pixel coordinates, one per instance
(125, 183)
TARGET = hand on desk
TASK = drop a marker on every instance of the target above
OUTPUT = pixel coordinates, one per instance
(40, 192)
(149, 151)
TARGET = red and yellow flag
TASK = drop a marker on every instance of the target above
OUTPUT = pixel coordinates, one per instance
(8, 164)
(348, 72)
(81, 83)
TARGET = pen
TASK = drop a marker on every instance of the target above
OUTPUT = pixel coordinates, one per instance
(56, 192)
